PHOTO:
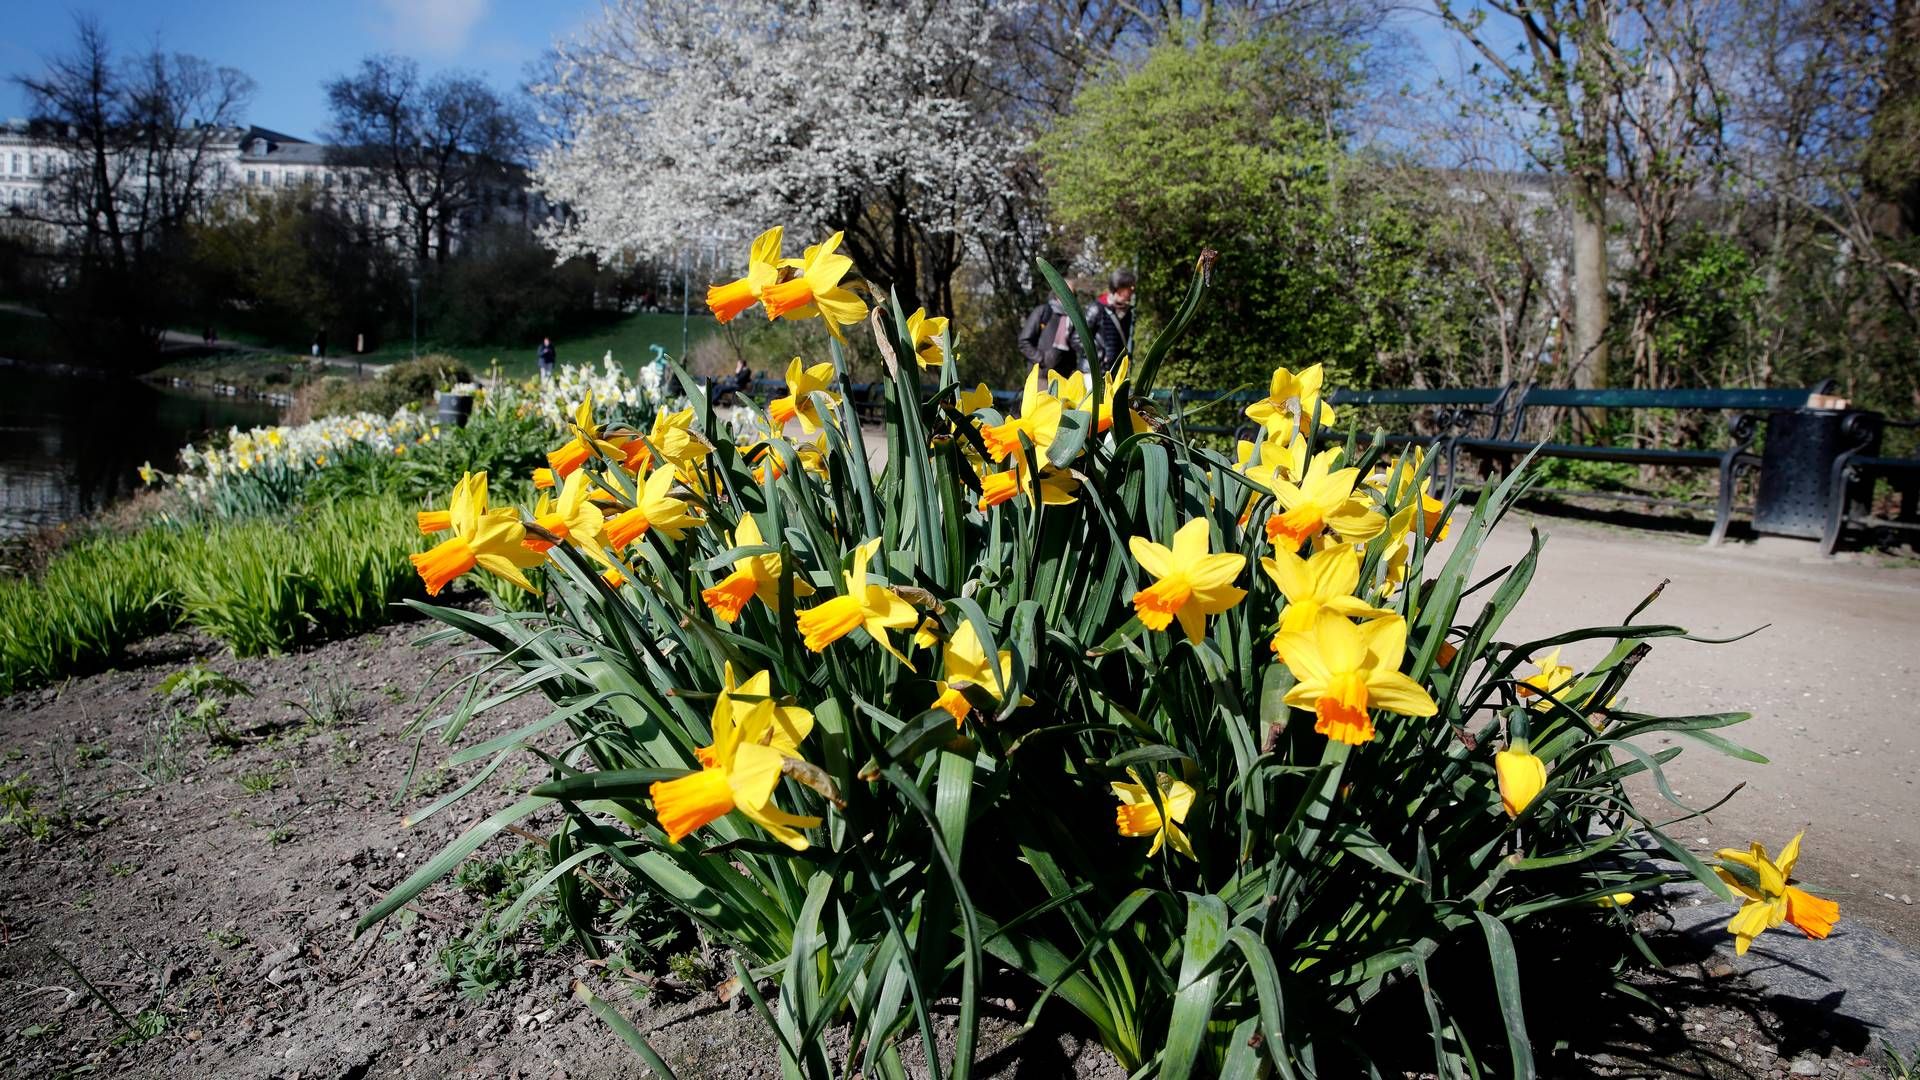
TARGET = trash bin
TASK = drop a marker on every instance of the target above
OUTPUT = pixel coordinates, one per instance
(1796, 468)
(454, 408)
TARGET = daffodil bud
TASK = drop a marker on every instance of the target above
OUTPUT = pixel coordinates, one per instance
(1521, 776)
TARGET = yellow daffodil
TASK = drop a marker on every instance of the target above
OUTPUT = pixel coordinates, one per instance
(1432, 511)
(489, 539)
(802, 383)
(1039, 421)
(812, 455)
(672, 439)
(816, 290)
(1344, 671)
(1520, 776)
(1323, 499)
(1619, 899)
(1138, 816)
(972, 401)
(752, 742)
(1190, 582)
(433, 521)
(1770, 901)
(657, 509)
(1280, 455)
(147, 472)
(613, 578)
(1290, 395)
(753, 575)
(875, 607)
(543, 479)
(1321, 585)
(925, 334)
(763, 269)
(1552, 676)
(585, 441)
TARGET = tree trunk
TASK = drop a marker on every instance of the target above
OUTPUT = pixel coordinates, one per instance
(1589, 361)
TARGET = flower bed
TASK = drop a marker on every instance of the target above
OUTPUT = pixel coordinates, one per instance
(1213, 752)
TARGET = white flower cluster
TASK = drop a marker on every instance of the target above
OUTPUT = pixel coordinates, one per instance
(557, 396)
(296, 449)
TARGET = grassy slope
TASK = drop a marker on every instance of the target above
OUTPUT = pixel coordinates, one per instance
(630, 337)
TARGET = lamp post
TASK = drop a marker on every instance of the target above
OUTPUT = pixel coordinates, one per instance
(414, 280)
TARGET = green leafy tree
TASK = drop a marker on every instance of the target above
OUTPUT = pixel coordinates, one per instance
(1236, 147)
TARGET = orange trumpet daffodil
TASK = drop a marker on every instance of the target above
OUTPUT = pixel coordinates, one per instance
(1344, 671)
(752, 742)
(657, 508)
(763, 269)
(585, 441)
(1190, 582)
(1138, 816)
(1039, 421)
(489, 539)
(802, 383)
(573, 518)
(1323, 499)
(1770, 901)
(672, 440)
(753, 575)
(964, 659)
(874, 607)
(1056, 485)
(816, 290)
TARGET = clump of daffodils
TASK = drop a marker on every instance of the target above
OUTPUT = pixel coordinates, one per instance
(1051, 682)
(296, 448)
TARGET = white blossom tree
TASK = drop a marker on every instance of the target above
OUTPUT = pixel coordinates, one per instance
(691, 123)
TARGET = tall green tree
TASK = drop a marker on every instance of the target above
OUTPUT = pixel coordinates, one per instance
(1238, 147)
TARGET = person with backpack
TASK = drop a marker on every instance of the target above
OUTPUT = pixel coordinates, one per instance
(1048, 341)
(1112, 319)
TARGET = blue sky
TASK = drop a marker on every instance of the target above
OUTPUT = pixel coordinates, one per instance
(291, 47)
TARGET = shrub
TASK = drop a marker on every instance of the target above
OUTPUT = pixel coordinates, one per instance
(1030, 712)
(409, 382)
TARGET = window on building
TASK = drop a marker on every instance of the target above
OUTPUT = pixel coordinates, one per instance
(33, 164)
(16, 164)
(251, 178)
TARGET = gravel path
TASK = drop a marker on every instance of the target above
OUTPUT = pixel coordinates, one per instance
(1833, 682)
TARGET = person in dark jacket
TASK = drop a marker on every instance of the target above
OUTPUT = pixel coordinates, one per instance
(1112, 319)
(1048, 339)
(546, 357)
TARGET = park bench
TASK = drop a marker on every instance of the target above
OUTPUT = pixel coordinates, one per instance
(1445, 412)
(1747, 407)
(1855, 474)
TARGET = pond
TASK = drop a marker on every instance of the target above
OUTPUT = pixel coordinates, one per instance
(70, 444)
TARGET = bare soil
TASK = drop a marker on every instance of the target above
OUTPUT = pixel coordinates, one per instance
(208, 890)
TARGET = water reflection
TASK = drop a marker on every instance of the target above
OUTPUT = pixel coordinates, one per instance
(70, 444)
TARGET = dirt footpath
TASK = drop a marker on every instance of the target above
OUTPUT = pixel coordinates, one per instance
(1833, 683)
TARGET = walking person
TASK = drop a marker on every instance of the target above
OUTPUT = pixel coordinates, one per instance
(1112, 319)
(546, 357)
(1048, 341)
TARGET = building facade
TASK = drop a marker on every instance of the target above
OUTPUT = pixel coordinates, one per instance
(256, 161)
